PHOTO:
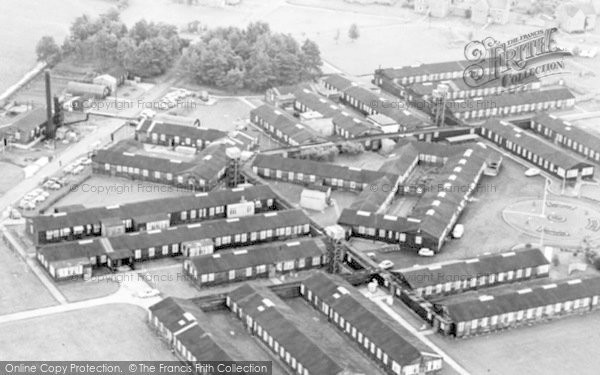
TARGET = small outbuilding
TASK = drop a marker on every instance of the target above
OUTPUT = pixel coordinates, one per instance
(89, 90)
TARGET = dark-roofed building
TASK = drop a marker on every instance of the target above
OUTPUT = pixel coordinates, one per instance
(254, 262)
(439, 207)
(139, 246)
(88, 90)
(458, 88)
(568, 136)
(515, 305)
(336, 82)
(366, 324)
(343, 122)
(283, 126)
(26, 128)
(537, 151)
(315, 173)
(185, 132)
(268, 318)
(511, 104)
(481, 272)
(73, 259)
(203, 174)
(179, 323)
(152, 214)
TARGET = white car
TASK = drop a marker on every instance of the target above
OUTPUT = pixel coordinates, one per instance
(78, 169)
(386, 264)
(531, 172)
(458, 231)
(147, 293)
(26, 204)
(86, 161)
(425, 252)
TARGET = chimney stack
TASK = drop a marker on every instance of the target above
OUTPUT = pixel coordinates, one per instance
(50, 122)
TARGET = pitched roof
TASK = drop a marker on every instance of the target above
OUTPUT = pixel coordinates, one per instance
(309, 167)
(30, 120)
(565, 128)
(553, 154)
(224, 261)
(186, 131)
(509, 99)
(352, 217)
(274, 317)
(286, 123)
(339, 82)
(72, 250)
(441, 273)
(365, 316)
(93, 215)
(513, 298)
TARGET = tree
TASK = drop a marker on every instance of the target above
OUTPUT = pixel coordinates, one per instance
(234, 80)
(311, 60)
(353, 32)
(47, 50)
(352, 148)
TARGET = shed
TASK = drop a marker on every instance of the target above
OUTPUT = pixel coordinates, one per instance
(315, 198)
(108, 81)
(88, 90)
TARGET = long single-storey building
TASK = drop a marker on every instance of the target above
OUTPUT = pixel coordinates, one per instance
(271, 321)
(167, 132)
(563, 133)
(254, 262)
(197, 238)
(512, 306)
(474, 273)
(149, 215)
(309, 172)
(283, 126)
(201, 175)
(511, 104)
(343, 123)
(439, 207)
(178, 322)
(539, 152)
(363, 322)
(27, 128)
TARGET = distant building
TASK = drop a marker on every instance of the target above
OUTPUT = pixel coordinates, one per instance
(89, 90)
(26, 128)
(493, 11)
(576, 17)
(434, 8)
(175, 131)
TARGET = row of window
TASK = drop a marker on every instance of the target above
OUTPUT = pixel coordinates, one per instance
(431, 77)
(513, 109)
(481, 280)
(271, 129)
(300, 177)
(363, 340)
(178, 140)
(568, 142)
(155, 174)
(529, 314)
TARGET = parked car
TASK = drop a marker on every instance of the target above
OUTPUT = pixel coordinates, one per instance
(148, 293)
(386, 264)
(531, 172)
(425, 252)
(458, 231)
(78, 169)
(26, 204)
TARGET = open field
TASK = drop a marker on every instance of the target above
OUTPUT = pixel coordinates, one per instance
(103, 190)
(565, 346)
(112, 332)
(78, 290)
(20, 289)
(224, 115)
(340, 348)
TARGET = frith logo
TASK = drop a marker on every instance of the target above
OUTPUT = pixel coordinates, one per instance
(516, 61)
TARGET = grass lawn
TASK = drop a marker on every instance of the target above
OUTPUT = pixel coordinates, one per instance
(112, 332)
(20, 289)
(565, 346)
(105, 190)
(224, 115)
(78, 290)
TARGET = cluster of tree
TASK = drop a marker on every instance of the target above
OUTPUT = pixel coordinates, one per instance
(320, 153)
(254, 58)
(147, 49)
(352, 148)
